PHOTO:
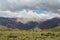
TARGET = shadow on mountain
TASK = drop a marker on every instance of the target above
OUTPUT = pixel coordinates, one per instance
(52, 23)
(10, 23)
(7, 22)
(27, 26)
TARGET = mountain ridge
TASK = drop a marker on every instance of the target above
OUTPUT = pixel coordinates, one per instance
(12, 23)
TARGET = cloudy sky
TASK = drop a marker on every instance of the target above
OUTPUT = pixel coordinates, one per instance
(30, 8)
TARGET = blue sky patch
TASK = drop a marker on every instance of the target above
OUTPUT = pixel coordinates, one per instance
(39, 11)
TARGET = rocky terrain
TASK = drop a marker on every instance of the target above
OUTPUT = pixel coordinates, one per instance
(28, 24)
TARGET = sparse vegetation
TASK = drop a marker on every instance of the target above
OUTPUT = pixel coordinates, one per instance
(29, 35)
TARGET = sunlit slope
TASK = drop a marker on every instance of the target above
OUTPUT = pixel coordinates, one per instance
(56, 29)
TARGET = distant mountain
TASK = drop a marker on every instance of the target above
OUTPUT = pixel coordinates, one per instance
(28, 24)
(52, 23)
(12, 23)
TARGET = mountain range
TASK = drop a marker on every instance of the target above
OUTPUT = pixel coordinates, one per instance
(29, 23)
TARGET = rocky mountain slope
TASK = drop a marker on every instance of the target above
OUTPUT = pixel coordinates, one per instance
(28, 24)
(52, 23)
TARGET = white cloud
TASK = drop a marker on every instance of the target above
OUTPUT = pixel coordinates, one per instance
(7, 14)
(28, 14)
(15, 8)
